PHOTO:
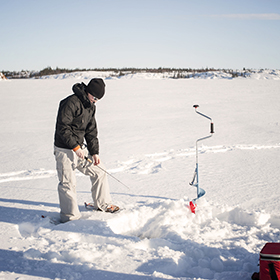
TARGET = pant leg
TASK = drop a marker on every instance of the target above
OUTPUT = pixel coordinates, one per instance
(67, 184)
(100, 187)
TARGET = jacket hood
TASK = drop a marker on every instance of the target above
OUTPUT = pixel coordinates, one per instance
(79, 91)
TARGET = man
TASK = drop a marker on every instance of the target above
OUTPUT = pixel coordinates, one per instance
(76, 123)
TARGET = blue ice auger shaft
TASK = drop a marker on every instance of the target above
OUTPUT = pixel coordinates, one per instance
(195, 181)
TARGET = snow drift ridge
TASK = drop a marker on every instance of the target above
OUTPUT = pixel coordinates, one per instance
(241, 74)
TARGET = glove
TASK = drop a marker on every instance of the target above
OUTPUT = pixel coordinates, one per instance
(80, 153)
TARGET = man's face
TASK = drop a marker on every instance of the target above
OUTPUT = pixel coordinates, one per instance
(91, 98)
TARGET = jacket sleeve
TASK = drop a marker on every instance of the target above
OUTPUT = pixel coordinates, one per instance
(91, 137)
(65, 118)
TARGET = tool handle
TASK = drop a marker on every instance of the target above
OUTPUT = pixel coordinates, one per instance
(212, 128)
(88, 159)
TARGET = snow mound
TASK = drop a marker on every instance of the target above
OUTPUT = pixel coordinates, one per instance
(159, 238)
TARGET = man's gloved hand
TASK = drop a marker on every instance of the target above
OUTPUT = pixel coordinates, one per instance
(80, 153)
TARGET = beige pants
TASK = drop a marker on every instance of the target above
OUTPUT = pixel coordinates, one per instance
(66, 164)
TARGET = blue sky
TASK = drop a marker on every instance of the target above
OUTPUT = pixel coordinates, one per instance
(139, 33)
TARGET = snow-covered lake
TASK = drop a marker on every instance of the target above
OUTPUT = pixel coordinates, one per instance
(147, 130)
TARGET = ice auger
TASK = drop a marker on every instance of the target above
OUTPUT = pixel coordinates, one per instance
(195, 181)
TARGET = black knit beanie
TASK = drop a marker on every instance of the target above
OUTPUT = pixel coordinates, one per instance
(96, 87)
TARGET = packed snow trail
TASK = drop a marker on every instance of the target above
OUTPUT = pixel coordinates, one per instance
(147, 164)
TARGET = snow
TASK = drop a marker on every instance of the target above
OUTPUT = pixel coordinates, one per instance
(147, 130)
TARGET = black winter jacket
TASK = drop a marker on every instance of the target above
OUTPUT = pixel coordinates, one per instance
(76, 122)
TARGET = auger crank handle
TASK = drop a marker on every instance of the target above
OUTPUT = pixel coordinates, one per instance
(211, 125)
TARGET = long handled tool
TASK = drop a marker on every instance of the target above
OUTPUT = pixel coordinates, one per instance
(195, 181)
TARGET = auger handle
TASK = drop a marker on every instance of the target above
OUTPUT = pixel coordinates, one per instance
(211, 125)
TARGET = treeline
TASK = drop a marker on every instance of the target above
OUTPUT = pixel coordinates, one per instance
(178, 72)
